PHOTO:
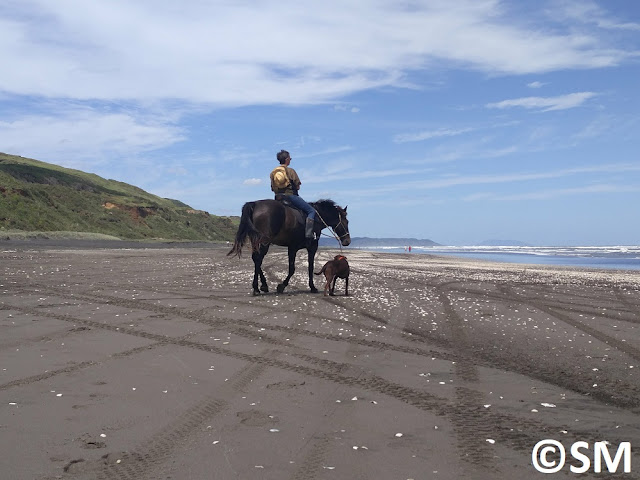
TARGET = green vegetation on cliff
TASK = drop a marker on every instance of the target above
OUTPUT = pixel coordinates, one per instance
(39, 196)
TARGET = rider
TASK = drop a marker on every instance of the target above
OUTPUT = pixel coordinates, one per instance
(285, 181)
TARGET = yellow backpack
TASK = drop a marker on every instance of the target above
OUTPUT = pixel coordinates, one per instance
(280, 177)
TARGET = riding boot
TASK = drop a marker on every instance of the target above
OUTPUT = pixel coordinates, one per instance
(308, 230)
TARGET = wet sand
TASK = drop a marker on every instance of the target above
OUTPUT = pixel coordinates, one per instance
(158, 363)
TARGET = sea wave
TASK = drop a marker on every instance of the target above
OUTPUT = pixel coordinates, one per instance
(616, 256)
(630, 251)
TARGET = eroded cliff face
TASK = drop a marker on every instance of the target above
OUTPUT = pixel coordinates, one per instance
(4, 191)
(136, 213)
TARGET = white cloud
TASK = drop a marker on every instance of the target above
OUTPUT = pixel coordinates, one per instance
(361, 175)
(429, 134)
(252, 181)
(476, 197)
(546, 104)
(536, 84)
(344, 108)
(178, 171)
(596, 128)
(447, 181)
(86, 132)
(328, 151)
(242, 53)
(558, 192)
(588, 12)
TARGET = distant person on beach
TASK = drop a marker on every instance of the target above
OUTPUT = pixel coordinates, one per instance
(285, 181)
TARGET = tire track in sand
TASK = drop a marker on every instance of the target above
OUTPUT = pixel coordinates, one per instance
(463, 413)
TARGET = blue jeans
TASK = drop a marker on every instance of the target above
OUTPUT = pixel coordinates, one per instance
(302, 205)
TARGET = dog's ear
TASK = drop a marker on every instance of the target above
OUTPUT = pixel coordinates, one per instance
(345, 209)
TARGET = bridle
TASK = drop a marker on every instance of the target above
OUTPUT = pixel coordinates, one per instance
(333, 229)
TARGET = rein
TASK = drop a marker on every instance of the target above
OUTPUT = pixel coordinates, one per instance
(332, 229)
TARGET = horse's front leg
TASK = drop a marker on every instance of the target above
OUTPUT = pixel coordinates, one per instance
(312, 249)
(292, 269)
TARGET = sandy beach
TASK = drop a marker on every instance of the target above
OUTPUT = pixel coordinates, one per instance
(158, 363)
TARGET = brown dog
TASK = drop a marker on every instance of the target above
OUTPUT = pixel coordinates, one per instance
(334, 269)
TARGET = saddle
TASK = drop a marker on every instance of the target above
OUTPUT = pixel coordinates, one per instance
(281, 197)
(284, 199)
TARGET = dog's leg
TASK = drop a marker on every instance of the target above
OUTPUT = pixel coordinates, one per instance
(333, 285)
(328, 275)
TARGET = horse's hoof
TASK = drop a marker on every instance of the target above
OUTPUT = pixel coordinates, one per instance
(281, 288)
(314, 290)
(264, 288)
(255, 293)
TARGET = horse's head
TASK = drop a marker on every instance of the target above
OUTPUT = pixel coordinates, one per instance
(336, 218)
(342, 228)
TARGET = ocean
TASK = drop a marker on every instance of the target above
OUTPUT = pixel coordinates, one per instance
(614, 257)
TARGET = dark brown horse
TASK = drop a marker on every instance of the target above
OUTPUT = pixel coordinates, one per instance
(270, 221)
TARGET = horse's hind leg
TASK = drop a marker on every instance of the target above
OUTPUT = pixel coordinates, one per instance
(292, 269)
(263, 281)
(258, 257)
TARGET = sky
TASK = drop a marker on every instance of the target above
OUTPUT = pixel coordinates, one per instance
(457, 121)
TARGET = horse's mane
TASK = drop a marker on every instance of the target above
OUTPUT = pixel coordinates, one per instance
(325, 203)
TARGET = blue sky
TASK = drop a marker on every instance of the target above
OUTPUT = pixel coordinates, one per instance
(458, 121)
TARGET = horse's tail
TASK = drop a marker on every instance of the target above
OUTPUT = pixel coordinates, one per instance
(245, 229)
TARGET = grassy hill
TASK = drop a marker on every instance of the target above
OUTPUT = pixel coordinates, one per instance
(39, 196)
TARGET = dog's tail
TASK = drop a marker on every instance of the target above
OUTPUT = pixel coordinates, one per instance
(245, 229)
(324, 267)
